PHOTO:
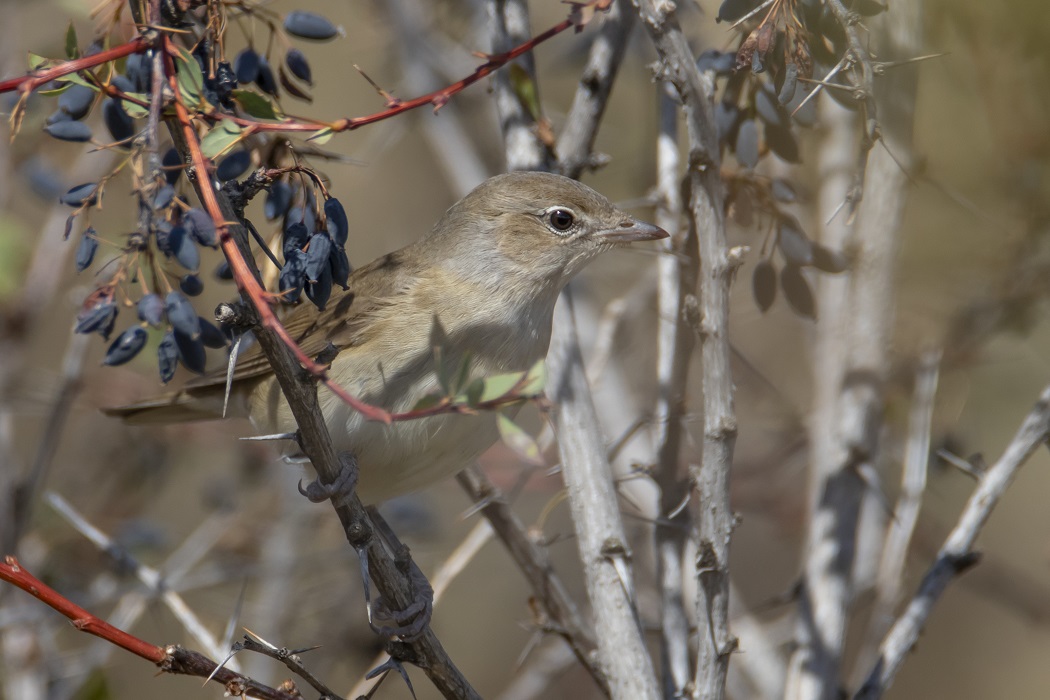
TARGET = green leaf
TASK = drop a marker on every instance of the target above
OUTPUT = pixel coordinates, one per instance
(72, 49)
(525, 88)
(499, 385)
(428, 401)
(472, 395)
(57, 91)
(220, 139)
(135, 111)
(191, 80)
(462, 375)
(321, 137)
(535, 379)
(36, 62)
(255, 104)
(75, 78)
(518, 440)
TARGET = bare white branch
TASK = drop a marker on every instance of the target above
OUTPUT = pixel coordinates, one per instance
(596, 517)
(890, 573)
(956, 555)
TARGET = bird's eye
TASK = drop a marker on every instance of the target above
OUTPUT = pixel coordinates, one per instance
(561, 219)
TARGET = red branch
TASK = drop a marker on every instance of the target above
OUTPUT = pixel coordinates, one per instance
(438, 98)
(172, 659)
(242, 274)
(84, 621)
(32, 81)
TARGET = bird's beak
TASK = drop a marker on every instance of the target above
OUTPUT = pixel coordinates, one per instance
(630, 230)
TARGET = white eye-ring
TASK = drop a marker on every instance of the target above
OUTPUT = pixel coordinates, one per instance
(561, 219)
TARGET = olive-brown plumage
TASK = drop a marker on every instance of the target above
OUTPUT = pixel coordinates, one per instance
(482, 284)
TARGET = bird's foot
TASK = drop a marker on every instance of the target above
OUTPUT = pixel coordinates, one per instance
(411, 622)
(343, 485)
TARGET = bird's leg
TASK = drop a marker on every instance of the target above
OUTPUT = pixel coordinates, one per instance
(343, 485)
(410, 622)
(413, 620)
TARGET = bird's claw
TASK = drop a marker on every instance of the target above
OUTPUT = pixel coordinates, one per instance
(343, 485)
(410, 622)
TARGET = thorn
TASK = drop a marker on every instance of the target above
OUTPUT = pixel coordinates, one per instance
(274, 436)
(231, 366)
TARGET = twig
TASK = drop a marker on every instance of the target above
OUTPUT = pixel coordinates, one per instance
(509, 25)
(442, 580)
(851, 372)
(706, 209)
(864, 89)
(574, 148)
(532, 560)
(288, 657)
(623, 659)
(901, 527)
(596, 517)
(674, 347)
(956, 555)
(170, 659)
(301, 395)
(148, 576)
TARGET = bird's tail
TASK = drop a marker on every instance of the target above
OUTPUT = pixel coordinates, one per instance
(180, 407)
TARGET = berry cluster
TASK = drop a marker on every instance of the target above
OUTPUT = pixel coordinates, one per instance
(157, 267)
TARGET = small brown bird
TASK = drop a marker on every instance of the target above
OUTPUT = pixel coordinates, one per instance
(481, 285)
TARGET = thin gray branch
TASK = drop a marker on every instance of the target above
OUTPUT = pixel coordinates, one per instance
(901, 528)
(565, 619)
(674, 346)
(509, 26)
(829, 359)
(148, 576)
(624, 660)
(864, 91)
(457, 152)
(956, 555)
(592, 94)
(596, 517)
(706, 208)
(850, 368)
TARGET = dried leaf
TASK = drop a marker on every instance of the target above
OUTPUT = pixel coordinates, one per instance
(746, 147)
(797, 291)
(782, 142)
(764, 284)
(793, 242)
(827, 260)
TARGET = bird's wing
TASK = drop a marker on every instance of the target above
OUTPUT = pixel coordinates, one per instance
(345, 322)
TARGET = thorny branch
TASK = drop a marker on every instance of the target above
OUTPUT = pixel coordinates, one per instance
(957, 555)
(706, 205)
(302, 399)
(864, 91)
(565, 620)
(170, 659)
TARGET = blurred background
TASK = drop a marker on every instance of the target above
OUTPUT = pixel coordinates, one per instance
(225, 516)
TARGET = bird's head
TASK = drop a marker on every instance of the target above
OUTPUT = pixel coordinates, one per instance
(531, 229)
